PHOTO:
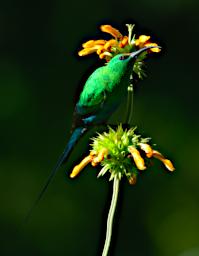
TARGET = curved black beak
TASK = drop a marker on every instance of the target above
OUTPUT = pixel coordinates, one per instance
(137, 53)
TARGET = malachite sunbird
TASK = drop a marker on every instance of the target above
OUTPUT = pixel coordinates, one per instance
(102, 93)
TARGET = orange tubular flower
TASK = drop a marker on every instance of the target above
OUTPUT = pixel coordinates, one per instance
(90, 50)
(147, 149)
(97, 159)
(124, 42)
(168, 164)
(102, 47)
(153, 49)
(110, 30)
(139, 161)
(92, 43)
(121, 153)
(143, 41)
(78, 168)
(105, 54)
(110, 44)
(107, 49)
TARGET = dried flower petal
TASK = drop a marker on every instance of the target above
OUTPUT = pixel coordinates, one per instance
(139, 161)
(133, 179)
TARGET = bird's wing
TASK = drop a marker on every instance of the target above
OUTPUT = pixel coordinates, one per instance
(94, 93)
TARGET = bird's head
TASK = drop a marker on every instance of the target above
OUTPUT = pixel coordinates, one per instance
(125, 60)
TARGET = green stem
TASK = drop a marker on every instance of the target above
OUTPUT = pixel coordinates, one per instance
(111, 215)
(129, 104)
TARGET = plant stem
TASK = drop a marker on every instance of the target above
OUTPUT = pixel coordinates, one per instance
(129, 104)
(111, 213)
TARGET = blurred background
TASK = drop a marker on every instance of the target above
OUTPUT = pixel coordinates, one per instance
(40, 74)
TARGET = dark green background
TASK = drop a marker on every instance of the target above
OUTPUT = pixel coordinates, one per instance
(39, 76)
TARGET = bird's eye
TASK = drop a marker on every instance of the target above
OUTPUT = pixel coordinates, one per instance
(123, 57)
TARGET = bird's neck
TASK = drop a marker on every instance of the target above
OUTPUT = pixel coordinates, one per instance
(120, 75)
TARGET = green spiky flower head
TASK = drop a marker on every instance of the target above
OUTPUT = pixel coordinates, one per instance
(121, 152)
(118, 160)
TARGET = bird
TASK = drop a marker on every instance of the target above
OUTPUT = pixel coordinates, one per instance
(103, 92)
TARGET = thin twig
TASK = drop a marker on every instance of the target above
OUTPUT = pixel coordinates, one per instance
(111, 215)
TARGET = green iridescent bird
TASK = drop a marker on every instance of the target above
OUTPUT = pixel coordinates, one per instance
(102, 93)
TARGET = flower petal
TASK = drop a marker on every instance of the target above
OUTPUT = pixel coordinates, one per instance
(142, 40)
(100, 50)
(124, 42)
(87, 51)
(111, 30)
(78, 168)
(92, 43)
(88, 44)
(153, 49)
(96, 160)
(110, 44)
(139, 161)
(105, 54)
(168, 164)
(147, 149)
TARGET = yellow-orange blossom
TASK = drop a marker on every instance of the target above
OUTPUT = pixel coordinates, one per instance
(109, 48)
(95, 159)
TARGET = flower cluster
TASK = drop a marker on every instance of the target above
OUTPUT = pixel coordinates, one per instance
(122, 153)
(107, 49)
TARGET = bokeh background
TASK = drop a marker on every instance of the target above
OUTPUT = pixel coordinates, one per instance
(40, 74)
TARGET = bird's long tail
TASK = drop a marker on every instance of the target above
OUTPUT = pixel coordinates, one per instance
(77, 133)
